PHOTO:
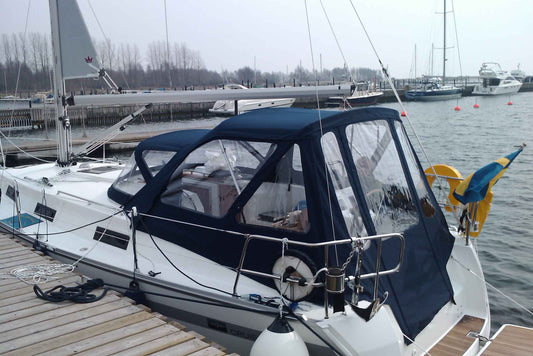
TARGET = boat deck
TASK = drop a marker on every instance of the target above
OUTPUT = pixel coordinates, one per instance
(112, 325)
(510, 340)
(456, 342)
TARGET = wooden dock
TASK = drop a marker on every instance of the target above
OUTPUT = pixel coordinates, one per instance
(113, 325)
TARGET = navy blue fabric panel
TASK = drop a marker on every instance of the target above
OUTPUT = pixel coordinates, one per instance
(416, 293)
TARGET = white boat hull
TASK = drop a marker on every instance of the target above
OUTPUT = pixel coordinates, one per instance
(497, 90)
(227, 107)
(82, 199)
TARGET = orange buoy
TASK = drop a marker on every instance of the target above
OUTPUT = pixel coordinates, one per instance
(457, 108)
(476, 106)
(402, 113)
(509, 103)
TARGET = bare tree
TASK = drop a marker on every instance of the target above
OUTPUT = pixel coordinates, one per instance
(6, 46)
(23, 47)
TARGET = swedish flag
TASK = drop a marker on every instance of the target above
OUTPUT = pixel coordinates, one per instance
(475, 187)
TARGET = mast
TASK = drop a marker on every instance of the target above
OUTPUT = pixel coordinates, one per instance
(62, 121)
(444, 48)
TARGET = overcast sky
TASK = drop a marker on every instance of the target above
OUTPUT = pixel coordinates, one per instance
(229, 34)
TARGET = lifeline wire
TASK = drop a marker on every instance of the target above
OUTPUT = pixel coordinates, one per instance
(178, 269)
(21, 150)
(496, 289)
(417, 345)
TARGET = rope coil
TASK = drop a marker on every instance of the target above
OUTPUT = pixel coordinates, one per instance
(34, 274)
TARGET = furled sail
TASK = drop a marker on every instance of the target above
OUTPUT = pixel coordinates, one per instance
(78, 55)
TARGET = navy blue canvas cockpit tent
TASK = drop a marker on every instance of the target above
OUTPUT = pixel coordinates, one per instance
(416, 293)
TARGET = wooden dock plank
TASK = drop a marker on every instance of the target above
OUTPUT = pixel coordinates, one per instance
(511, 340)
(105, 340)
(13, 251)
(27, 304)
(76, 319)
(50, 338)
(184, 348)
(7, 242)
(26, 294)
(29, 260)
(22, 289)
(132, 341)
(456, 342)
(13, 281)
(36, 306)
(210, 351)
(157, 344)
(66, 314)
(112, 325)
(19, 258)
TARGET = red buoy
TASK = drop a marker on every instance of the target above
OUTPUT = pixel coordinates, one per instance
(402, 113)
(457, 108)
(509, 103)
(476, 106)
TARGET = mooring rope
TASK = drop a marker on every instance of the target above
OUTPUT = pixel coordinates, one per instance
(42, 273)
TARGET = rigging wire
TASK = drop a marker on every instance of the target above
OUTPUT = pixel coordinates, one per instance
(330, 204)
(457, 41)
(389, 79)
(335, 36)
(168, 49)
(168, 57)
(20, 150)
(107, 41)
(19, 68)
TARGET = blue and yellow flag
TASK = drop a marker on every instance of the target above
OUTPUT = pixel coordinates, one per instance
(476, 186)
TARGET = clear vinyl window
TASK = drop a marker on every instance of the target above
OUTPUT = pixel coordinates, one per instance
(343, 190)
(212, 176)
(280, 201)
(155, 160)
(419, 179)
(382, 178)
(130, 180)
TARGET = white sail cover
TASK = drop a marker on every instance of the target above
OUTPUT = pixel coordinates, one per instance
(78, 55)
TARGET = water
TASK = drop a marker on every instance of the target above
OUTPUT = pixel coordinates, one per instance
(466, 139)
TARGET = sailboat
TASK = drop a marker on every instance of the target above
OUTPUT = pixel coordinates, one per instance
(432, 88)
(323, 217)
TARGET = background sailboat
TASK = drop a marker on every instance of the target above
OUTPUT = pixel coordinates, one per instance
(431, 88)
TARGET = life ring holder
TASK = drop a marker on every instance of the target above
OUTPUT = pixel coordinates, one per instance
(297, 265)
(452, 177)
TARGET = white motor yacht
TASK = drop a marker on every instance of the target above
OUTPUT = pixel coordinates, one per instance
(227, 107)
(495, 81)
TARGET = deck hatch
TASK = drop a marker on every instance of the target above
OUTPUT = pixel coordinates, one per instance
(111, 237)
(21, 221)
(45, 212)
(10, 192)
